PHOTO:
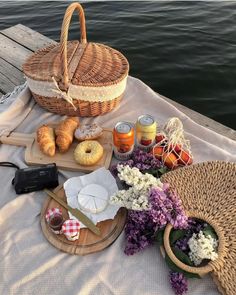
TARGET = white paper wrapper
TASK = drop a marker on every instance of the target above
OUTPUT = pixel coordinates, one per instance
(101, 177)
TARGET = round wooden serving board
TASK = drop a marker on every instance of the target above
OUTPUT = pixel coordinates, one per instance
(88, 242)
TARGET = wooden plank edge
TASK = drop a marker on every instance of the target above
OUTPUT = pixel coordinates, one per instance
(12, 52)
(27, 33)
(9, 76)
(203, 120)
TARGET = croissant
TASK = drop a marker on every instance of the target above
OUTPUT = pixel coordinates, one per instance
(65, 133)
(46, 140)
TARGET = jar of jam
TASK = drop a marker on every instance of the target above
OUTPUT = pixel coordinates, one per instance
(56, 221)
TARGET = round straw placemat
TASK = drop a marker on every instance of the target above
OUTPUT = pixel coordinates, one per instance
(208, 191)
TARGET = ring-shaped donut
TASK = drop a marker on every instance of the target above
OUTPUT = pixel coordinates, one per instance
(88, 152)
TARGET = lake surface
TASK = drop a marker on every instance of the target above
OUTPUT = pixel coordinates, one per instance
(185, 50)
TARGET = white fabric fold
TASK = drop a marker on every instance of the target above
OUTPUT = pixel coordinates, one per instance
(15, 108)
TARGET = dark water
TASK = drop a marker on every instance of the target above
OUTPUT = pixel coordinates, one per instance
(183, 50)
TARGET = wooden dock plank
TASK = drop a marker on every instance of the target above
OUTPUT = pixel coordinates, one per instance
(12, 52)
(9, 76)
(27, 37)
(203, 120)
(27, 40)
(6, 84)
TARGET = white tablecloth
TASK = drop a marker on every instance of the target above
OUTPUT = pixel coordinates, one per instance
(30, 265)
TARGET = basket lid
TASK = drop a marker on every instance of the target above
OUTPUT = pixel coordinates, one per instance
(98, 64)
(79, 63)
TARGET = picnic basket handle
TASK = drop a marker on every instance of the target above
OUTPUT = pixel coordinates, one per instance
(64, 37)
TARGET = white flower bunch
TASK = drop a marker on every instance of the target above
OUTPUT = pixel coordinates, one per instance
(202, 247)
(131, 199)
(136, 197)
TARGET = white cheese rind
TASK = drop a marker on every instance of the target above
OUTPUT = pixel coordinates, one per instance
(93, 198)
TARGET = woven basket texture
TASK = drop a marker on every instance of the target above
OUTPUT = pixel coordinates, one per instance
(100, 65)
(80, 63)
(208, 191)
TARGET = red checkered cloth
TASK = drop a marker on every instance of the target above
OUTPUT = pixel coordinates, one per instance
(70, 229)
(52, 212)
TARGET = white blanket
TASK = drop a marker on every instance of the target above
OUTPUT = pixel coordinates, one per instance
(30, 265)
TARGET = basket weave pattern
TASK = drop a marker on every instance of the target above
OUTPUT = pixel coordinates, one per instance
(89, 78)
(208, 192)
(83, 108)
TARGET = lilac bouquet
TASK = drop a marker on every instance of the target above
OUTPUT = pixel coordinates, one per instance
(145, 162)
(151, 206)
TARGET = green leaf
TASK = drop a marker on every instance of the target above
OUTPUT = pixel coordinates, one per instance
(172, 266)
(191, 275)
(159, 237)
(209, 231)
(175, 268)
(152, 171)
(163, 170)
(176, 235)
(182, 256)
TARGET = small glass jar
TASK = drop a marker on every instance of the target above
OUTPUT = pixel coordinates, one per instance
(55, 222)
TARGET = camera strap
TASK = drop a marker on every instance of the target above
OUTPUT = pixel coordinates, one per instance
(9, 164)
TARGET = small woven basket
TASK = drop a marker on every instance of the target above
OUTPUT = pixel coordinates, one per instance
(77, 78)
(208, 192)
(201, 270)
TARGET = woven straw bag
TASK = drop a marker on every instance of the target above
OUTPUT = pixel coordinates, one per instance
(208, 192)
(77, 78)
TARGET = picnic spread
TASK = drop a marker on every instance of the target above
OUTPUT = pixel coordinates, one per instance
(133, 192)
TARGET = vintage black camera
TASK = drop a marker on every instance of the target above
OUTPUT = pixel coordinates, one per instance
(34, 179)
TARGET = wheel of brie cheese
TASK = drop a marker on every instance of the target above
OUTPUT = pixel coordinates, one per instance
(93, 198)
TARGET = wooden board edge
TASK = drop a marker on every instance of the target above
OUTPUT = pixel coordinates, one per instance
(84, 169)
(82, 251)
(74, 250)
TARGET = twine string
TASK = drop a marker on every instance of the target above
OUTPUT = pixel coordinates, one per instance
(63, 94)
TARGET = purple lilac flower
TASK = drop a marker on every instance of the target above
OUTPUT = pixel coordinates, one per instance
(139, 231)
(193, 226)
(160, 207)
(178, 218)
(141, 160)
(182, 244)
(144, 161)
(166, 207)
(178, 283)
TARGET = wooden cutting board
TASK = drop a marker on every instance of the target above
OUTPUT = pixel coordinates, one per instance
(88, 242)
(34, 156)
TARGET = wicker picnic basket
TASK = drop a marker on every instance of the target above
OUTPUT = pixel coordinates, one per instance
(77, 78)
(208, 192)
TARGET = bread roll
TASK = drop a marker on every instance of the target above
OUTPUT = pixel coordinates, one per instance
(65, 133)
(46, 140)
